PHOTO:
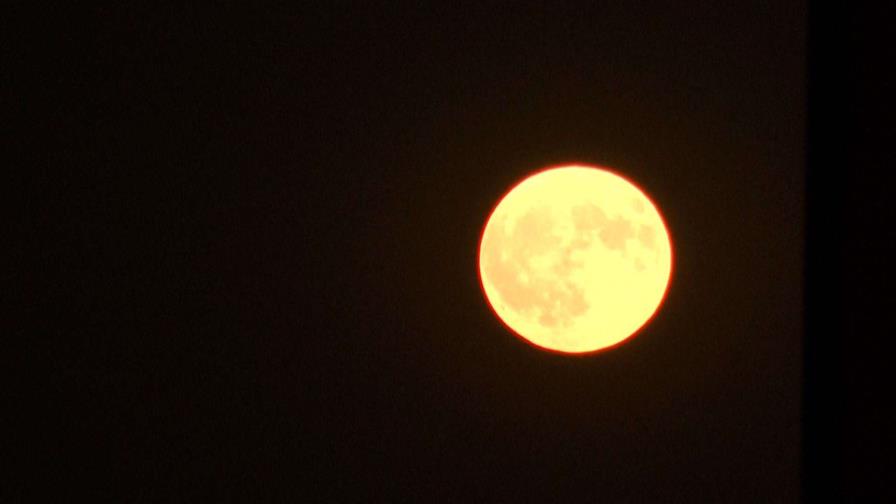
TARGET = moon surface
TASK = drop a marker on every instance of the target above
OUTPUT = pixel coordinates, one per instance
(575, 259)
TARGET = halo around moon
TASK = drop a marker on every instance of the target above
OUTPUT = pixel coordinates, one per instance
(575, 259)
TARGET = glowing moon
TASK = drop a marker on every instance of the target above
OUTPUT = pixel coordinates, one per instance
(575, 259)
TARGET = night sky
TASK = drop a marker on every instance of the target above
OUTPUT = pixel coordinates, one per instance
(268, 221)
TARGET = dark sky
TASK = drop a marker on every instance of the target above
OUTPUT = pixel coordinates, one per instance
(268, 223)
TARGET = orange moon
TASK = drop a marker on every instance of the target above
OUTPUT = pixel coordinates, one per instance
(575, 259)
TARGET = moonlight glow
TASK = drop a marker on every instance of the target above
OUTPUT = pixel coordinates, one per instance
(575, 259)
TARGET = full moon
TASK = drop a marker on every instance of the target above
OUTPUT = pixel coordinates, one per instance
(575, 259)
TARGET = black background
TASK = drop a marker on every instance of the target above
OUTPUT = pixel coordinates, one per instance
(259, 274)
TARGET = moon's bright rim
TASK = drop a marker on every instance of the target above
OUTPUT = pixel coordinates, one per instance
(594, 258)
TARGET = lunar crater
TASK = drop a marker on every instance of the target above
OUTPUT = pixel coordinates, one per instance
(533, 273)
